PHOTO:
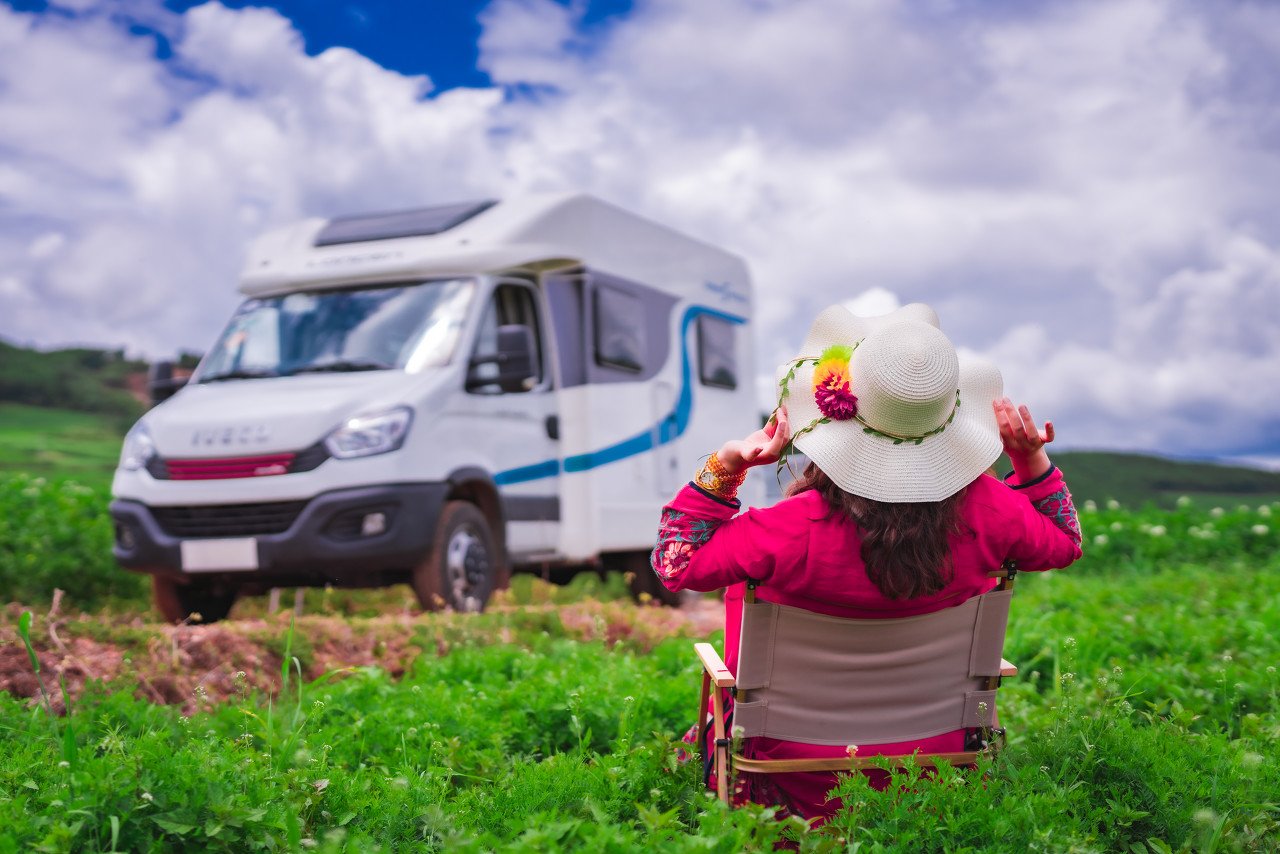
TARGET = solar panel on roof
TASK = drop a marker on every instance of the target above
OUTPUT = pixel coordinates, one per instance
(415, 223)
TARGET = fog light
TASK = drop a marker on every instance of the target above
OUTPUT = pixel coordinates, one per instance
(373, 524)
(125, 538)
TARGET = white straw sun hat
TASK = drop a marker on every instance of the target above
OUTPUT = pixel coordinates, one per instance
(895, 415)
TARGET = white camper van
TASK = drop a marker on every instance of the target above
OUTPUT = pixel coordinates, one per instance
(438, 397)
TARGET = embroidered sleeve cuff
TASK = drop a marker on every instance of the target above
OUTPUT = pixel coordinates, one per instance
(719, 503)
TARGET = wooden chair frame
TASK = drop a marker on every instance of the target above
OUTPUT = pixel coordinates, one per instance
(715, 673)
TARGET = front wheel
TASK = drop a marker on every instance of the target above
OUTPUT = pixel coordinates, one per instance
(195, 601)
(464, 566)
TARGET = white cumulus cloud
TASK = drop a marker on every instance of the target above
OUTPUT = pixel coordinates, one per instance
(1081, 189)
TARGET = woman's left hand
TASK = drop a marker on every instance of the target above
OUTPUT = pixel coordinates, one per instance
(762, 447)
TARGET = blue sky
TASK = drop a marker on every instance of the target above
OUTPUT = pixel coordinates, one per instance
(1083, 189)
(437, 38)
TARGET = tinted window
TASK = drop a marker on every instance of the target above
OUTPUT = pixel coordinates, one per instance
(510, 305)
(717, 362)
(620, 340)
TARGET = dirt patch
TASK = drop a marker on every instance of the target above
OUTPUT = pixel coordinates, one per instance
(189, 666)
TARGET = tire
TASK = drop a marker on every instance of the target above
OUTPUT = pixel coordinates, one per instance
(644, 584)
(464, 565)
(196, 601)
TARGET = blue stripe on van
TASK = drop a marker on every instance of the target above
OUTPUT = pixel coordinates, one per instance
(666, 430)
(537, 471)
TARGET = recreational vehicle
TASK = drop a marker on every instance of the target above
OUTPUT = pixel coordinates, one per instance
(438, 397)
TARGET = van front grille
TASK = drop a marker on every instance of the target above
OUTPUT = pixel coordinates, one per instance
(226, 468)
(228, 520)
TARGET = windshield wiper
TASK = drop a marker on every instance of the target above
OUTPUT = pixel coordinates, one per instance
(240, 374)
(344, 365)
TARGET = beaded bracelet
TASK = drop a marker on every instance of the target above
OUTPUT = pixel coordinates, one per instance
(718, 480)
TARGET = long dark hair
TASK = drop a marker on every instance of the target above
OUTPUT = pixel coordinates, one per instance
(904, 546)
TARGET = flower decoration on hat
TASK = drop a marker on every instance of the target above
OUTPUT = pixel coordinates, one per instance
(831, 390)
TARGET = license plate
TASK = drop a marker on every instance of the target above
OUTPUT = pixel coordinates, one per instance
(220, 555)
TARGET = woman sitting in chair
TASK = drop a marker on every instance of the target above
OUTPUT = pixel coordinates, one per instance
(895, 515)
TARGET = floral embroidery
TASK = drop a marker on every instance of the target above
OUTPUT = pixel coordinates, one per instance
(1058, 507)
(679, 536)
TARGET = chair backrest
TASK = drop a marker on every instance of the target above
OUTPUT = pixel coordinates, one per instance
(818, 679)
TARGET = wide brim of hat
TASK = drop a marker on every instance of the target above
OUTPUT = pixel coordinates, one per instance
(873, 466)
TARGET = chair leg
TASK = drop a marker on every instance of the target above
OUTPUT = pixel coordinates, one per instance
(722, 747)
(702, 715)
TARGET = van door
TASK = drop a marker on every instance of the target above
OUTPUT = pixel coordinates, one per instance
(518, 426)
(667, 474)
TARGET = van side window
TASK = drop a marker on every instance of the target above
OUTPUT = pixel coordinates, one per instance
(717, 357)
(510, 304)
(619, 330)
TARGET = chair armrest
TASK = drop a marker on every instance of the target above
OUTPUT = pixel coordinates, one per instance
(1007, 669)
(712, 663)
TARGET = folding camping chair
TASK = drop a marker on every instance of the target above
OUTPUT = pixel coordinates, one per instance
(817, 679)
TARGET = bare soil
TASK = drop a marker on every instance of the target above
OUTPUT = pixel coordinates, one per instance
(189, 665)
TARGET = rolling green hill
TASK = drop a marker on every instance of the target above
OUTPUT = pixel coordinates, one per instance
(1134, 479)
(82, 379)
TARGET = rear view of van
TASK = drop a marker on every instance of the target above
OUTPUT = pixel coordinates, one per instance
(439, 397)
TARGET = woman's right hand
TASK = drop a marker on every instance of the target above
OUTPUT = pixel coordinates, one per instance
(762, 447)
(1023, 441)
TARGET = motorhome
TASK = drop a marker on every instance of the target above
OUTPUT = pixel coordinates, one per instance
(439, 397)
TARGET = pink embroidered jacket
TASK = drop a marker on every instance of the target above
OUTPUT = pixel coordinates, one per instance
(802, 555)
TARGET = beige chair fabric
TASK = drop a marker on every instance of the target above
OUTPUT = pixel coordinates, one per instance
(817, 679)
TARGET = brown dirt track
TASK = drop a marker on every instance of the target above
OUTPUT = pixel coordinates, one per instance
(170, 664)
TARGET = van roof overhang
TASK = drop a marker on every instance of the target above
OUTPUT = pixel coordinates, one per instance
(531, 233)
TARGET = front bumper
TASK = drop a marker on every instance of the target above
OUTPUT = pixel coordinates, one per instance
(319, 541)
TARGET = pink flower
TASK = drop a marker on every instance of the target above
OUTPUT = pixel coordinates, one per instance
(835, 400)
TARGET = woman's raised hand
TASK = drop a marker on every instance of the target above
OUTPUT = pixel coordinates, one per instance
(762, 447)
(1023, 441)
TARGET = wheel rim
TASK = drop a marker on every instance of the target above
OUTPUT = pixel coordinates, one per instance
(466, 568)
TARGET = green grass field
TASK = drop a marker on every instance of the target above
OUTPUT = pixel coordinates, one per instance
(1146, 717)
(59, 443)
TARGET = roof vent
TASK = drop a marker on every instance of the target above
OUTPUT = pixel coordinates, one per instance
(415, 223)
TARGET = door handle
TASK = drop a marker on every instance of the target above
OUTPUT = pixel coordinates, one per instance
(553, 427)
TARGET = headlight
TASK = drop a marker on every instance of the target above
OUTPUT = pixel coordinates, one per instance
(367, 435)
(138, 448)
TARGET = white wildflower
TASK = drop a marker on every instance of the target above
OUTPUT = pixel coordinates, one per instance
(1117, 526)
(1157, 531)
(1100, 540)
(1260, 530)
(1265, 511)
(1091, 506)
(1184, 500)
(1112, 504)
(1217, 512)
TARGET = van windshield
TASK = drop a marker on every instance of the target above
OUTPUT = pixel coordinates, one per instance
(405, 326)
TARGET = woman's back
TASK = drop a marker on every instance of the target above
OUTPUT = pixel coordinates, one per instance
(898, 520)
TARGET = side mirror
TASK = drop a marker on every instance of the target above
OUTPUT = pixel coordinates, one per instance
(514, 358)
(161, 384)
